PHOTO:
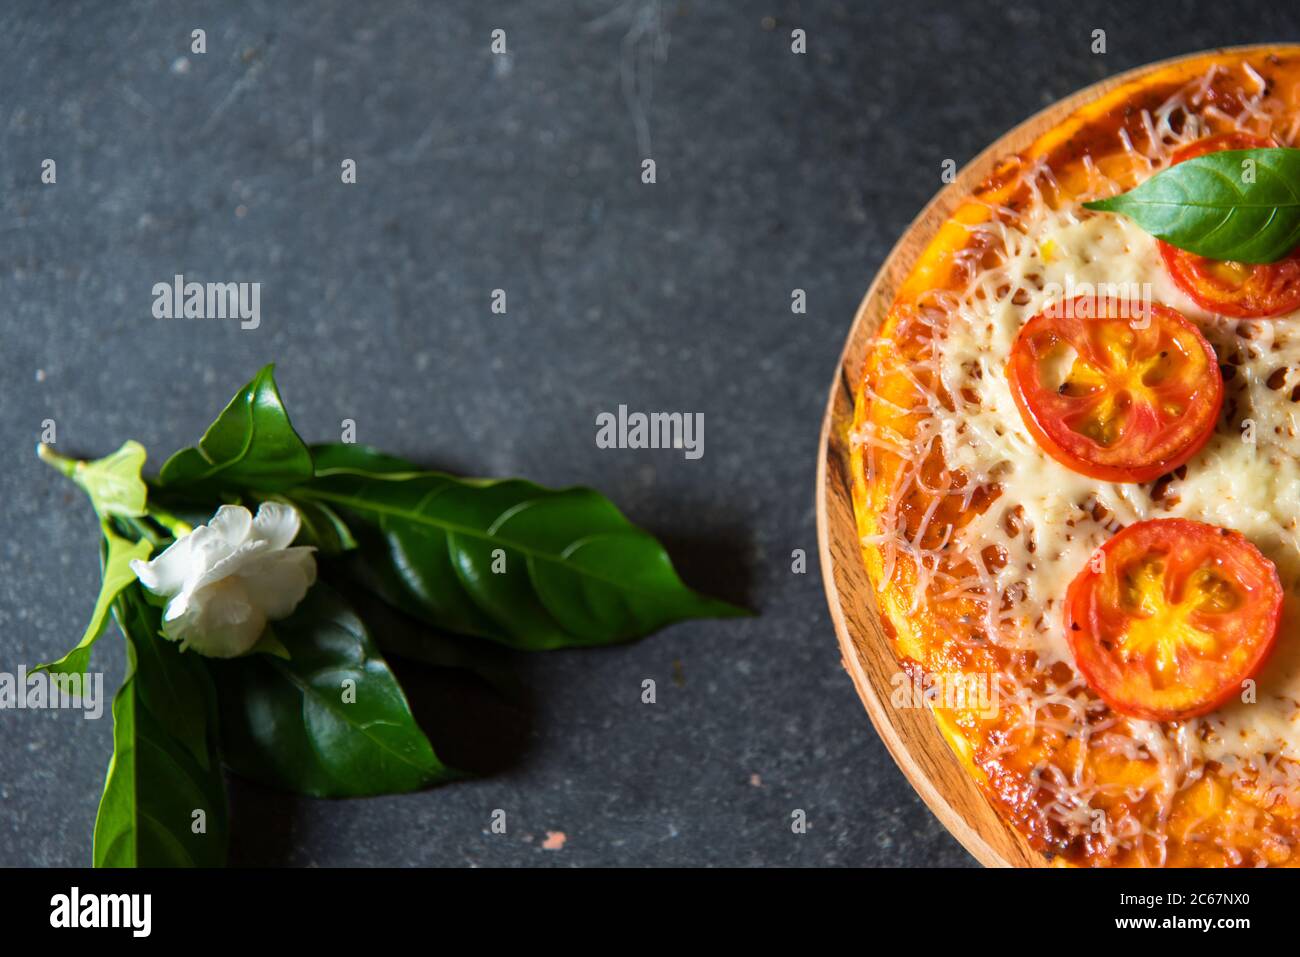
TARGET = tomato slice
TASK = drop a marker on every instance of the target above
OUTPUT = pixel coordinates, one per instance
(1240, 290)
(1110, 399)
(1171, 616)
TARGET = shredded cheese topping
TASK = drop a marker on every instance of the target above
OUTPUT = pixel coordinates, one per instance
(1045, 521)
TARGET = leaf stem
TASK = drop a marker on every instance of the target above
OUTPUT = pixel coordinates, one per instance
(60, 463)
(142, 529)
(177, 526)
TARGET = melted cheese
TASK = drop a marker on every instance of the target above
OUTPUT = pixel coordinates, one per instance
(1247, 477)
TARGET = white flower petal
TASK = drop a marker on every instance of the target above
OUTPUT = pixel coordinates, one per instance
(222, 623)
(207, 547)
(277, 581)
(226, 579)
(166, 573)
(177, 607)
(233, 523)
(229, 565)
(202, 576)
(276, 524)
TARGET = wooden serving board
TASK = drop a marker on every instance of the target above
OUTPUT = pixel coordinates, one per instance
(911, 735)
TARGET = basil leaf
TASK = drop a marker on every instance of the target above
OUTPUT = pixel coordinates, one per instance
(530, 567)
(330, 722)
(116, 555)
(113, 482)
(252, 444)
(1206, 205)
(157, 782)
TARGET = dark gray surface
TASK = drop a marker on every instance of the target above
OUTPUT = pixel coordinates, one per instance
(776, 171)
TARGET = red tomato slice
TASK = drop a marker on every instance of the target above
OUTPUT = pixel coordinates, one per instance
(1171, 616)
(1240, 290)
(1113, 400)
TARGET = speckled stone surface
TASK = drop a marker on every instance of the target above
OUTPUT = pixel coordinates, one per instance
(476, 172)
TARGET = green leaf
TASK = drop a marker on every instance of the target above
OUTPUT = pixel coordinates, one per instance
(116, 555)
(1212, 206)
(156, 781)
(400, 635)
(270, 644)
(341, 456)
(113, 482)
(321, 526)
(251, 445)
(530, 567)
(330, 722)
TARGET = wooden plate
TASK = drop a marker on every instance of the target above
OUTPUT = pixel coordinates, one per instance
(911, 735)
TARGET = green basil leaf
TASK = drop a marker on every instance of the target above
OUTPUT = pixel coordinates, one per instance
(116, 555)
(531, 567)
(1241, 205)
(330, 722)
(157, 785)
(251, 445)
(113, 482)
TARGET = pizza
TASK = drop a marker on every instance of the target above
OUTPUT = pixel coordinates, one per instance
(1076, 482)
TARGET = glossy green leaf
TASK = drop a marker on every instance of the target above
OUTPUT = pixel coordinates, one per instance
(164, 802)
(330, 722)
(341, 456)
(116, 555)
(531, 567)
(321, 527)
(403, 636)
(252, 445)
(113, 482)
(1242, 205)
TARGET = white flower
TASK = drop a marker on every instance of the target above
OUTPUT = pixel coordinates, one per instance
(228, 578)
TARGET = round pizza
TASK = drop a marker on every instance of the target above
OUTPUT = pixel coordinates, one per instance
(1076, 473)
